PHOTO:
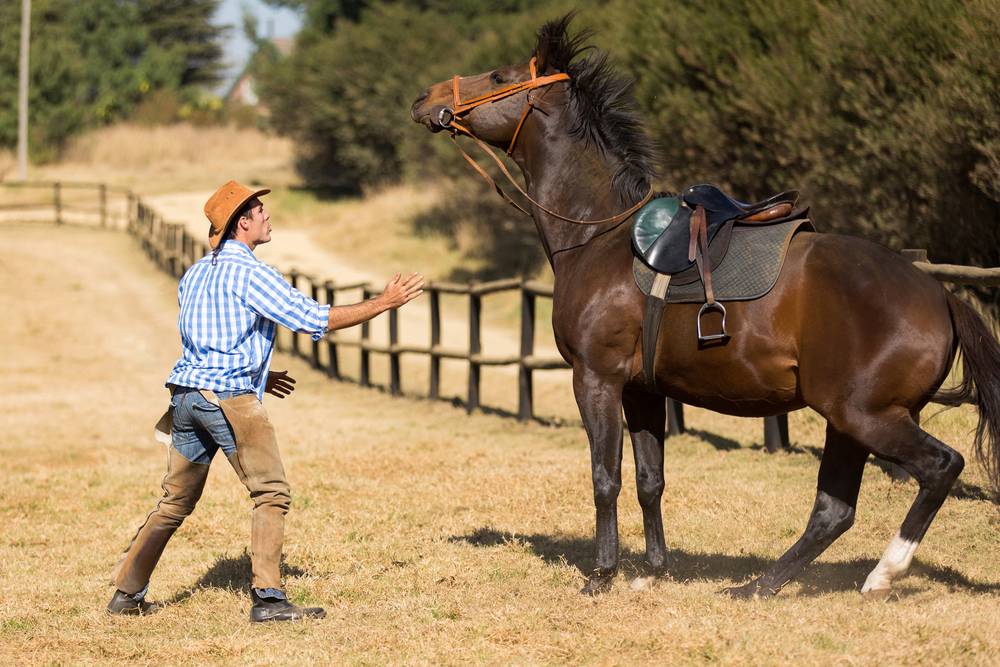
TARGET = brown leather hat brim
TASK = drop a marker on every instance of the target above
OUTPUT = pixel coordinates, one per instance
(215, 239)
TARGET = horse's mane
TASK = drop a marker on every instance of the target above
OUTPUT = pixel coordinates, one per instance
(602, 106)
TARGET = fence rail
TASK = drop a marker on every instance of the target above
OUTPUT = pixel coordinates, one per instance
(174, 249)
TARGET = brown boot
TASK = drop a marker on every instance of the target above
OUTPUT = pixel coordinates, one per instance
(258, 465)
(182, 487)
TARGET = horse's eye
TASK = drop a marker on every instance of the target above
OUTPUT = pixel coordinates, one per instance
(496, 78)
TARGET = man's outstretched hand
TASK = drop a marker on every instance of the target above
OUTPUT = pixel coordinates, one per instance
(400, 291)
(279, 383)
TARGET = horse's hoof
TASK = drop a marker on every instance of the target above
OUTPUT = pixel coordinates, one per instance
(597, 584)
(877, 594)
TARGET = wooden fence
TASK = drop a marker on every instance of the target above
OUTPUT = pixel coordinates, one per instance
(95, 204)
(174, 249)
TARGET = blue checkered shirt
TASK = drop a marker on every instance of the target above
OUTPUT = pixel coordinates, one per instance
(229, 308)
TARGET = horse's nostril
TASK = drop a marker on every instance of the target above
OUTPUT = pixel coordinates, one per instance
(423, 96)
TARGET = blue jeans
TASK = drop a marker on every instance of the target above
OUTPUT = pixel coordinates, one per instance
(199, 427)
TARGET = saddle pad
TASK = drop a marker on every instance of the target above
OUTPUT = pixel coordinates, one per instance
(748, 271)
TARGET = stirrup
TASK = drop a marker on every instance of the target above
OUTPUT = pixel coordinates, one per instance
(719, 336)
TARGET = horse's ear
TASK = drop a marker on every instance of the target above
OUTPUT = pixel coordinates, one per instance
(541, 61)
(542, 56)
(552, 38)
(555, 49)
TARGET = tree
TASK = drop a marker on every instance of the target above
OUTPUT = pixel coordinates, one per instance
(183, 29)
(93, 61)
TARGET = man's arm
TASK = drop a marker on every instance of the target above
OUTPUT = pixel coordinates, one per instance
(398, 292)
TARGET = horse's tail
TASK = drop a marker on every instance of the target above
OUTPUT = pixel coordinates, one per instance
(980, 383)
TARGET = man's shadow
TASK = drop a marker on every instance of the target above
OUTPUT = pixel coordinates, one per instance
(686, 566)
(232, 574)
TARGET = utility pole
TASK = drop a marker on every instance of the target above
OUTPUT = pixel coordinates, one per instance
(22, 93)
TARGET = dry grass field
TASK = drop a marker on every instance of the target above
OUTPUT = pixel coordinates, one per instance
(170, 158)
(430, 536)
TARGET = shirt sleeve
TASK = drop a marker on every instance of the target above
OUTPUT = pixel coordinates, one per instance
(269, 295)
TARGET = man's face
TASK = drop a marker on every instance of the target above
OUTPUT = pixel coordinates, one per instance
(258, 225)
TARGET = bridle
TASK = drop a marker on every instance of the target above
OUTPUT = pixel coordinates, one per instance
(448, 118)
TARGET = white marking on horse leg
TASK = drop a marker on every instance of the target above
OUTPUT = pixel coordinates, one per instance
(894, 564)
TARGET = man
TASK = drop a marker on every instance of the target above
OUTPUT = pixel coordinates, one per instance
(230, 304)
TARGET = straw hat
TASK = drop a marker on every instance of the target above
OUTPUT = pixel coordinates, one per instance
(223, 206)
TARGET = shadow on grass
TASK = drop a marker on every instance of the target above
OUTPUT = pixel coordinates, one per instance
(232, 574)
(961, 490)
(686, 566)
(720, 442)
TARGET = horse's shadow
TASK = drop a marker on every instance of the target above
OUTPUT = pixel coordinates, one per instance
(231, 574)
(720, 442)
(961, 490)
(686, 566)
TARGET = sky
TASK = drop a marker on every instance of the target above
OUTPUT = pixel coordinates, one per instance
(270, 21)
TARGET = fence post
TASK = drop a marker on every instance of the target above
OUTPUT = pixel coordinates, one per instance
(525, 395)
(776, 433)
(394, 385)
(57, 201)
(104, 204)
(293, 278)
(434, 391)
(475, 347)
(156, 237)
(187, 250)
(177, 258)
(675, 417)
(130, 215)
(364, 374)
(333, 370)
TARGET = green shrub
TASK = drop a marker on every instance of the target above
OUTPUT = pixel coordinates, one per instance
(92, 62)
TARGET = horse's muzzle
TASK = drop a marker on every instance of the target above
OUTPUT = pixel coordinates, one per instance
(439, 118)
(435, 118)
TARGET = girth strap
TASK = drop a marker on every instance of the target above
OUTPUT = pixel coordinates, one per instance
(655, 303)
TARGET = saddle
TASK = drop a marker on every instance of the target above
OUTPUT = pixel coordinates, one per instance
(681, 238)
(667, 229)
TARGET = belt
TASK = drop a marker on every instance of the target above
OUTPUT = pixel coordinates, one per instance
(221, 395)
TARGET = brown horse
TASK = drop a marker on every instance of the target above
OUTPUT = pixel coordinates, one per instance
(851, 329)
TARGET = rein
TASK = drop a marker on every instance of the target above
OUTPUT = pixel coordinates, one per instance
(449, 118)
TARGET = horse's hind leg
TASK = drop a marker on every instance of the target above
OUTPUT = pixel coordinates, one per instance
(935, 466)
(600, 403)
(646, 417)
(833, 513)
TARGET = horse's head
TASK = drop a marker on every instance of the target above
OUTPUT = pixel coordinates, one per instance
(583, 97)
(494, 105)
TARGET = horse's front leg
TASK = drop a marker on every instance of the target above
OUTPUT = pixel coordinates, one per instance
(600, 402)
(646, 416)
